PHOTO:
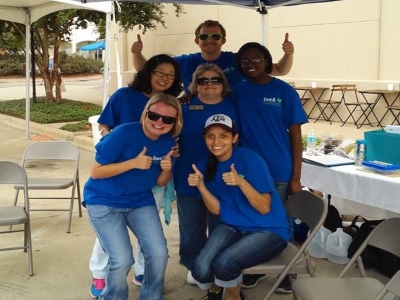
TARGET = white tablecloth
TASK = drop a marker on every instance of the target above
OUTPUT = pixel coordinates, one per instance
(352, 183)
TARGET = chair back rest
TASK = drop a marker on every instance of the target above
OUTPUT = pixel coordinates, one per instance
(12, 173)
(386, 237)
(393, 286)
(309, 208)
(52, 150)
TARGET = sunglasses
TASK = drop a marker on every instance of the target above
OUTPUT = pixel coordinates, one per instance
(253, 61)
(153, 116)
(214, 36)
(162, 74)
(212, 80)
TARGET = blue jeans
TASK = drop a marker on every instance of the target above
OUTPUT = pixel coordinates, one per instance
(282, 188)
(229, 250)
(110, 225)
(193, 221)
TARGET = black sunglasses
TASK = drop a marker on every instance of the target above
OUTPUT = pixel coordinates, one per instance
(212, 80)
(214, 36)
(153, 116)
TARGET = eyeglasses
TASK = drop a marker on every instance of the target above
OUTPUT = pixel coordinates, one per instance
(153, 116)
(214, 36)
(162, 74)
(212, 80)
(253, 61)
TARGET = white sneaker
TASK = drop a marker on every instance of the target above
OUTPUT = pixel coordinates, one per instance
(190, 279)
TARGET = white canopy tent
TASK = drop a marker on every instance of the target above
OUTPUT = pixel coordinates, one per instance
(29, 11)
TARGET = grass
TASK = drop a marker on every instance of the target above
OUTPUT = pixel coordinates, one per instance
(45, 113)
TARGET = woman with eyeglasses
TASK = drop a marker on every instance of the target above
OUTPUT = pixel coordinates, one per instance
(161, 73)
(210, 88)
(271, 116)
(129, 162)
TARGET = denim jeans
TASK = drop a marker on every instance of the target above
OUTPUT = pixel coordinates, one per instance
(282, 188)
(193, 216)
(110, 225)
(228, 251)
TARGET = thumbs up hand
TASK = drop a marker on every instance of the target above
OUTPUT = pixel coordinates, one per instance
(137, 46)
(143, 161)
(166, 162)
(195, 178)
(232, 178)
(287, 45)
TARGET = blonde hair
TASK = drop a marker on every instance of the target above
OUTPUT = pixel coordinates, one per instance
(200, 70)
(170, 101)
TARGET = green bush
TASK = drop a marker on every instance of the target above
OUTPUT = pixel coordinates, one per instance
(14, 64)
(76, 64)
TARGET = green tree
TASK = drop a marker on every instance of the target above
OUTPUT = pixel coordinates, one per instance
(55, 28)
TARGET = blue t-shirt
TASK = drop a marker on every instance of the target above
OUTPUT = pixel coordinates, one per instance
(235, 209)
(191, 141)
(131, 189)
(266, 113)
(125, 106)
(226, 61)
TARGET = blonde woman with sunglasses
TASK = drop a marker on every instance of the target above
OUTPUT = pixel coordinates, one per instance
(161, 73)
(129, 162)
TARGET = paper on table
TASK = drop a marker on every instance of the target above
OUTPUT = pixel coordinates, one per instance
(326, 160)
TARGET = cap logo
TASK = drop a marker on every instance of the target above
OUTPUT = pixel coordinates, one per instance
(218, 118)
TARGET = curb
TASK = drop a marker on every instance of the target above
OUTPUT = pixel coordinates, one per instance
(81, 141)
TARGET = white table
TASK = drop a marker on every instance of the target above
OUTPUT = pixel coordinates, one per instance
(351, 183)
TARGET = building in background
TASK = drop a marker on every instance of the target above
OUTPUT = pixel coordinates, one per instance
(337, 42)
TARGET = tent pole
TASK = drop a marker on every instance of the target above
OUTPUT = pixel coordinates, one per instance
(263, 12)
(27, 76)
(106, 60)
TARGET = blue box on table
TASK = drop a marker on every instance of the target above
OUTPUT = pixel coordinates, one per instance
(383, 146)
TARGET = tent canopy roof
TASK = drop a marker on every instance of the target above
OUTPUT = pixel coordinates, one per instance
(16, 10)
(243, 3)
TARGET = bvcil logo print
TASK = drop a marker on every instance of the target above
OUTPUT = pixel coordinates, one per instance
(273, 101)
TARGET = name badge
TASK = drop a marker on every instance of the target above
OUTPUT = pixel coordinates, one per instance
(196, 107)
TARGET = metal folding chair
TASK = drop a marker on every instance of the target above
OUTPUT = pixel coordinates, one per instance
(386, 237)
(355, 105)
(10, 174)
(331, 103)
(44, 162)
(312, 210)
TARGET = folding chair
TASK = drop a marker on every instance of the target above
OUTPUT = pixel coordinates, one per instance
(355, 105)
(385, 236)
(49, 159)
(324, 104)
(392, 287)
(312, 210)
(395, 110)
(11, 173)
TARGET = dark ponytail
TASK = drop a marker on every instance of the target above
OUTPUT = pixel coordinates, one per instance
(211, 168)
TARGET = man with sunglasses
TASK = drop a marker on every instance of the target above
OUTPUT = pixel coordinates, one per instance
(210, 36)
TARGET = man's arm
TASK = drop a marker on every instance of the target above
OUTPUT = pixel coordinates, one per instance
(285, 63)
(136, 49)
